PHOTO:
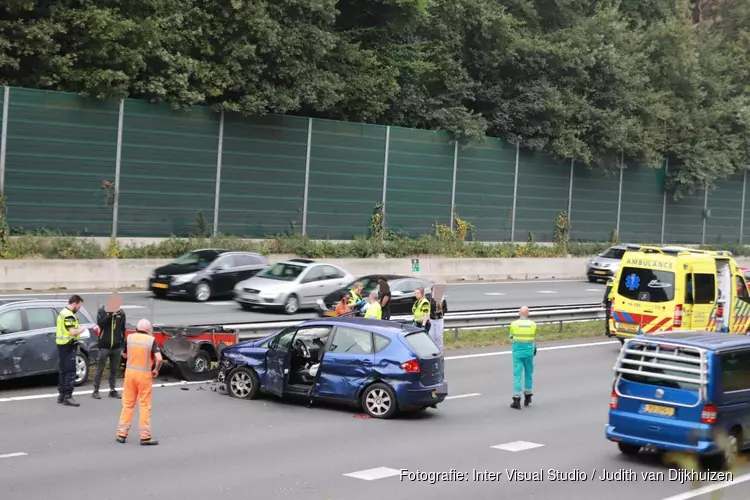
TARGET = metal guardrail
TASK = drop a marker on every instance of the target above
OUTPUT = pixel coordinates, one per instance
(455, 321)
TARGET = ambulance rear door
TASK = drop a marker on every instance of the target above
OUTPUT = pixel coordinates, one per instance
(646, 297)
(700, 295)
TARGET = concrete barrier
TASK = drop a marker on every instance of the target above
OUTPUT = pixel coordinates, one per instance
(103, 274)
(73, 275)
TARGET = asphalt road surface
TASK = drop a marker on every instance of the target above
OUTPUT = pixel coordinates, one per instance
(213, 446)
(460, 297)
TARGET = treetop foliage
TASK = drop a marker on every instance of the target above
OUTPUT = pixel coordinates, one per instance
(599, 81)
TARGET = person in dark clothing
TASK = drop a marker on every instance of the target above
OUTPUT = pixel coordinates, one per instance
(437, 313)
(111, 323)
(607, 303)
(384, 297)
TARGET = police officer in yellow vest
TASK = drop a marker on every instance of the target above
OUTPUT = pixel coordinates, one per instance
(374, 311)
(523, 335)
(421, 310)
(66, 338)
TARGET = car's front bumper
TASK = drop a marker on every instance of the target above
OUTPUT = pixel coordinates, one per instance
(600, 272)
(162, 288)
(258, 299)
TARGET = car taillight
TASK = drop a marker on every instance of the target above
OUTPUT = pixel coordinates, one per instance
(614, 401)
(678, 315)
(411, 366)
(708, 415)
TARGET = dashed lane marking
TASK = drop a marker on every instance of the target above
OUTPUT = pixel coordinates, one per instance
(597, 290)
(546, 291)
(553, 348)
(461, 396)
(132, 307)
(373, 474)
(710, 488)
(82, 393)
(494, 293)
(12, 455)
(225, 303)
(516, 446)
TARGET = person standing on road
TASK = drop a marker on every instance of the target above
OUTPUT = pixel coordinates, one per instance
(384, 297)
(67, 338)
(143, 363)
(421, 310)
(111, 321)
(438, 308)
(607, 303)
(523, 336)
(374, 311)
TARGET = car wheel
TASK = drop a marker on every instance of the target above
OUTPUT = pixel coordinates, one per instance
(629, 449)
(202, 362)
(291, 306)
(160, 295)
(727, 458)
(592, 279)
(202, 291)
(379, 401)
(82, 369)
(243, 383)
(246, 307)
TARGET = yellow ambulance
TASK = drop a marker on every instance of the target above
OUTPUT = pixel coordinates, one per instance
(660, 289)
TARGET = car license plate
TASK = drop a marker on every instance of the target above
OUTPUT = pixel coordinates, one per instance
(599, 272)
(628, 327)
(664, 411)
(160, 285)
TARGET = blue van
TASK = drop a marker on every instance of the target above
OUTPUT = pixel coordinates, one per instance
(679, 391)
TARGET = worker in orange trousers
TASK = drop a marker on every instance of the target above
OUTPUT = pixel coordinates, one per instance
(144, 360)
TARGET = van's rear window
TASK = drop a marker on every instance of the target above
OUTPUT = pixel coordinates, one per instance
(422, 345)
(651, 374)
(646, 285)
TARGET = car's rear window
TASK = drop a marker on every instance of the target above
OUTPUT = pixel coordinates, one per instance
(651, 374)
(422, 345)
(646, 285)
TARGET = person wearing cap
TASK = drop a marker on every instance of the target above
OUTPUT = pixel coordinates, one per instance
(523, 336)
(144, 360)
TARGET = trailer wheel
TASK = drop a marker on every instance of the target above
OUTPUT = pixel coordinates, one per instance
(202, 362)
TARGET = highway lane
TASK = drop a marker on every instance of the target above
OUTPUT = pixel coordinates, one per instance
(460, 297)
(270, 449)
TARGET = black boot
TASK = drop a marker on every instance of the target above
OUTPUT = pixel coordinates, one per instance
(149, 442)
(96, 395)
(69, 401)
(121, 439)
(516, 404)
(60, 398)
(527, 399)
(114, 395)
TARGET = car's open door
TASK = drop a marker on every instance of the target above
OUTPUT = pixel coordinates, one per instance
(278, 361)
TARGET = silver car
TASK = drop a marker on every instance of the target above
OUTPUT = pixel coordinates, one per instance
(292, 285)
(606, 264)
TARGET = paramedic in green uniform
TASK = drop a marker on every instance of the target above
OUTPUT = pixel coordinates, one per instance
(522, 334)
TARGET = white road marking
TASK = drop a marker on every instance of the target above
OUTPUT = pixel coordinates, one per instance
(546, 291)
(710, 488)
(517, 446)
(494, 293)
(132, 307)
(81, 393)
(597, 290)
(554, 348)
(460, 396)
(373, 474)
(226, 303)
(11, 455)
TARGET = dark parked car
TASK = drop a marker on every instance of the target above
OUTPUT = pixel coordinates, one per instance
(402, 293)
(381, 366)
(205, 274)
(27, 339)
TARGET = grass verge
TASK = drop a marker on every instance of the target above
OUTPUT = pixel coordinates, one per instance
(472, 339)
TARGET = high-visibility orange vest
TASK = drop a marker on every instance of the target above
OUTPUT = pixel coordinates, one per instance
(140, 357)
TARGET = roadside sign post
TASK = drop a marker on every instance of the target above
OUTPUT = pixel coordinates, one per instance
(415, 265)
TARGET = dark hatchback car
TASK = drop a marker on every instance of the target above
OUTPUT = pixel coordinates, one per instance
(402, 293)
(381, 366)
(27, 339)
(205, 274)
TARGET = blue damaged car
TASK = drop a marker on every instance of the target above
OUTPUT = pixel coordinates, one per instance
(381, 366)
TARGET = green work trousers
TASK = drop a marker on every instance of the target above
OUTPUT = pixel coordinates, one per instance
(523, 368)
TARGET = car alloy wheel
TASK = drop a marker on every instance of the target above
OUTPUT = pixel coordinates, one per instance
(292, 305)
(240, 384)
(378, 402)
(202, 292)
(82, 369)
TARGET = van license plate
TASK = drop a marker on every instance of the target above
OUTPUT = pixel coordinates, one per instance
(628, 327)
(664, 411)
